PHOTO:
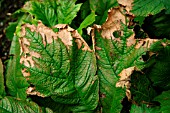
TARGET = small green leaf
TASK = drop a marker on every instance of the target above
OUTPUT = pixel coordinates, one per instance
(11, 29)
(164, 100)
(139, 19)
(2, 87)
(16, 83)
(67, 11)
(87, 21)
(44, 12)
(12, 105)
(146, 8)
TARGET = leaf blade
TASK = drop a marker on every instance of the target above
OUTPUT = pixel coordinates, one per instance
(67, 11)
(144, 8)
(14, 76)
(2, 87)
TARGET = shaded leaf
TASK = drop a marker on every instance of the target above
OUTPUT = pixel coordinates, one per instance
(141, 88)
(145, 8)
(12, 105)
(164, 100)
(159, 74)
(101, 7)
(16, 83)
(143, 109)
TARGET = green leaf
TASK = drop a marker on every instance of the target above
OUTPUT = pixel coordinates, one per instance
(85, 10)
(112, 59)
(12, 105)
(66, 73)
(44, 12)
(16, 83)
(11, 29)
(101, 7)
(159, 74)
(142, 88)
(139, 19)
(167, 6)
(50, 103)
(164, 100)
(2, 87)
(146, 8)
(87, 21)
(67, 11)
(143, 109)
(50, 76)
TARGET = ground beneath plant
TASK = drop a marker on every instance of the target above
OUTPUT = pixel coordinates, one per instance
(7, 7)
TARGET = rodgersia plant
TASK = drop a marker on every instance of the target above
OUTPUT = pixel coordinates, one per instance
(73, 56)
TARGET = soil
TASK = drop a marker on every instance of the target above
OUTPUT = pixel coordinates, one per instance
(7, 7)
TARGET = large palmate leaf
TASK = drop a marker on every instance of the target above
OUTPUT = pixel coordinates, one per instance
(2, 88)
(112, 59)
(16, 83)
(12, 105)
(67, 11)
(145, 8)
(164, 100)
(60, 65)
(101, 7)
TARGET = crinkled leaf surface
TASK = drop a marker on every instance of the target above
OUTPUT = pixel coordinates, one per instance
(58, 67)
(164, 100)
(147, 7)
(12, 105)
(101, 7)
(143, 109)
(16, 83)
(2, 87)
(44, 12)
(112, 59)
(67, 11)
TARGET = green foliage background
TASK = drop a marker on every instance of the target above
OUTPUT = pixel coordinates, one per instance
(73, 80)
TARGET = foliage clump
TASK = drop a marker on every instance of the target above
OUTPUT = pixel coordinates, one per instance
(89, 56)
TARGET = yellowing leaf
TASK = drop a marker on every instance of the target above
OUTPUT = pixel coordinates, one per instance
(59, 64)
